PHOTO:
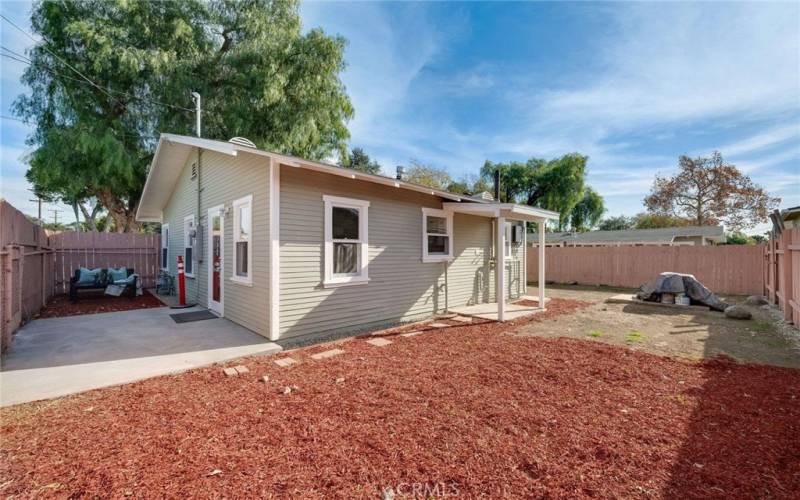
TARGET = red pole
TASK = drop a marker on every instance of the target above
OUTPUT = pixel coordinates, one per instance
(181, 282)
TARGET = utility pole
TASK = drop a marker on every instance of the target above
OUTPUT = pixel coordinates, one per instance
(196, 99)
(38, 199)
(55, 212)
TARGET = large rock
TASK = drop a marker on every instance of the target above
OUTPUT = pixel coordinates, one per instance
(737, 312)
(756, 300)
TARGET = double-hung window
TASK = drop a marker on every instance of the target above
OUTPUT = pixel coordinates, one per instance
(346, 241)
(437, 235)
(188, 245)
(242, 240)
(165, 247)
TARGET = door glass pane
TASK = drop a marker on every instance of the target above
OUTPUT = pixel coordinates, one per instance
(216, 289)
(241, 258)
(345, 258)
(345, 223)
(438, 244)
(437, 225)
(215, 223)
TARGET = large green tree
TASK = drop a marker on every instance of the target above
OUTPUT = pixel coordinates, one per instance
(588, 212)
(359, 160)
(557, 184)
(258, 74)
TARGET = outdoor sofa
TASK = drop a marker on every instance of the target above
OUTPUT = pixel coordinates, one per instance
(99, 279)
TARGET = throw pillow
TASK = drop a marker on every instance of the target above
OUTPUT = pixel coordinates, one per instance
(88, 276)
(117, 274)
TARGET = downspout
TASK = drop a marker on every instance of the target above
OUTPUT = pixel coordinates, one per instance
(199, 258)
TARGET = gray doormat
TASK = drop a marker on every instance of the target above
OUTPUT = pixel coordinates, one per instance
(192, 316)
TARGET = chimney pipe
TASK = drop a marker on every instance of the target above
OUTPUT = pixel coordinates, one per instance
(497, 184)
(400, 171)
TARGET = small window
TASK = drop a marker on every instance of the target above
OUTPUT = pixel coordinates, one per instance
(189, 237)
(437, 235)
(242, 240)
(346, 245)
(164, 247)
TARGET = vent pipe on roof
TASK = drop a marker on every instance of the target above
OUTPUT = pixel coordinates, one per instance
(497, 184)
(400, 172)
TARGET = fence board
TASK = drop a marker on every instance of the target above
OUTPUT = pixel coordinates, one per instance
(729, 269)
(90, 249)
(782, 273)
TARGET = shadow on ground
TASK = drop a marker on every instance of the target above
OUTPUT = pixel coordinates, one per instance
(724, 407)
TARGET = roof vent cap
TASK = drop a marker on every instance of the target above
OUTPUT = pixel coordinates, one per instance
(242, 141)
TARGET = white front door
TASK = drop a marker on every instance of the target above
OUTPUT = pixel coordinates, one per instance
(216, 285)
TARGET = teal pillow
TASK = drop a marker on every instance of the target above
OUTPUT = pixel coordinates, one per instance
(88, 276)
(117, 274)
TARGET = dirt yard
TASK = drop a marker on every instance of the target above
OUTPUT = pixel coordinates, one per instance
(689, 333)
(468, 410)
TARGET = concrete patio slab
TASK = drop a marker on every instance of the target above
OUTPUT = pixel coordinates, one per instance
(60, 356)
(410, 334)
(489, 311)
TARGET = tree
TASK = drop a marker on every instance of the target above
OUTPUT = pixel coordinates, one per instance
(259, 76)
(556, 184)
(709, 191)
(359, 160)
(587, 213)
(738, 238)
(426, 175)
(656, 221)
(618, 223)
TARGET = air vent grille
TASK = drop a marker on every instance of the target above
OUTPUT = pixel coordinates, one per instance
(242, 141)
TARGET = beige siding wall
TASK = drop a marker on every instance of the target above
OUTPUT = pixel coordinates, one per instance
(224, 179)
(469, 275)
(401, 286)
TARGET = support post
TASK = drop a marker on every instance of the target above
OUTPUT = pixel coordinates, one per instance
(500, 269)
(541, 265)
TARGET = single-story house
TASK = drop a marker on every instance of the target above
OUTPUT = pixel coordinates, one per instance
(289, 247)
(668, 236)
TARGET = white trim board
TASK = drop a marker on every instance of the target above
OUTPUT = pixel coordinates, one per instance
(275, 249)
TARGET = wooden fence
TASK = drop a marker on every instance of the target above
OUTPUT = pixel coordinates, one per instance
(27, 276)
(36, 265)
(782, 273)
(72, 250)
(727, 269)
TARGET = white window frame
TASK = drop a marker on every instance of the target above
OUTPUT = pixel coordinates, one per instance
(187, 243)
(448, 216)
(330, 280)
(246, 201)
(164, 246)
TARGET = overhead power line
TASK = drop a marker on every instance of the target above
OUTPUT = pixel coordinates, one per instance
(85, 79)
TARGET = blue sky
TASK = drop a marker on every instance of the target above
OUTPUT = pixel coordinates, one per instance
(631, 85)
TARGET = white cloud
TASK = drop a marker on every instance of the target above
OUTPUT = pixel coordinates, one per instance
(687, 62)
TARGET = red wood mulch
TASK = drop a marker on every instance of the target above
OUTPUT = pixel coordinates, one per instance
(469, 410)
(96, 302)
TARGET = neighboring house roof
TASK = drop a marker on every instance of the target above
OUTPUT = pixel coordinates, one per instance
(662, 235)
(173, 151)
